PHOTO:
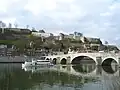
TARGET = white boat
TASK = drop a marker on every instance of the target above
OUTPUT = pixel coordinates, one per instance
(37, 63)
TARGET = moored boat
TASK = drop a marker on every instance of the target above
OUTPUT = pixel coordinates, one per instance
(37, 62)
(37, 69)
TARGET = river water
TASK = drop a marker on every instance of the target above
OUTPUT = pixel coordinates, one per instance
(59, 77)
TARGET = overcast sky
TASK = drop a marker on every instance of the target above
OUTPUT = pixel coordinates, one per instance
(93, 18)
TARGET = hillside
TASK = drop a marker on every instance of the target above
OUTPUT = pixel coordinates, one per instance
(23, 41)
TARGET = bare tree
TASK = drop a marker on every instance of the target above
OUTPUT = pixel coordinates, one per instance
(10, 25)
(3, 24)
(0, 24)
(16, 25)
(106, 42)
(27, 26)
(33, 29)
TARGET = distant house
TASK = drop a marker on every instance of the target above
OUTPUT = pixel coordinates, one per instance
(56, 37)
(18, 30)
(69, 36)
(109, 48)
(15, 29)
(78, 34)
(91, 43)
(41, 31)
(75, 35)
(3, 46)
(25, 31)
(112, 47)
(61, 36)
(94, 40)
(39, 34)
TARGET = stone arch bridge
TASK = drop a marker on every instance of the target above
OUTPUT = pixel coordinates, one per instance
(98, 58)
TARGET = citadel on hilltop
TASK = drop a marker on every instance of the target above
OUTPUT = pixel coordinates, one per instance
(24, 40)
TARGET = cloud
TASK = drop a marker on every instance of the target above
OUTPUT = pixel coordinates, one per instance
(39, 6)
(105, 14)
(95, 18)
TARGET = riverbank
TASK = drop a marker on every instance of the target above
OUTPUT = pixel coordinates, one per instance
(14, 59)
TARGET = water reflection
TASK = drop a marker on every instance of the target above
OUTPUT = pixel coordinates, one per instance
(59, 77)
(110, 69)
(85, 69)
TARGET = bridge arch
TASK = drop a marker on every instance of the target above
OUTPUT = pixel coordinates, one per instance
(63, 61)
(77, 59)
(47, 58)
(54, 60)
(108, 61)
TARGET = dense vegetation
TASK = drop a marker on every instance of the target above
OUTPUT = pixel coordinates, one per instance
(24, 41)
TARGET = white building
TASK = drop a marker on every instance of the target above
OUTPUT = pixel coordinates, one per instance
(76, 36)
(3, 46)
(61, 36)
(38, 34)
(15, 29)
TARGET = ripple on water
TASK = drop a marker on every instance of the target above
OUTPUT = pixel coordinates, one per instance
(59, 77)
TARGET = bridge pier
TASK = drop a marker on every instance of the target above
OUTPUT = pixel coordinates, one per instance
(68, 60)
(98, 60)
(58, 60)
(99, 70)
